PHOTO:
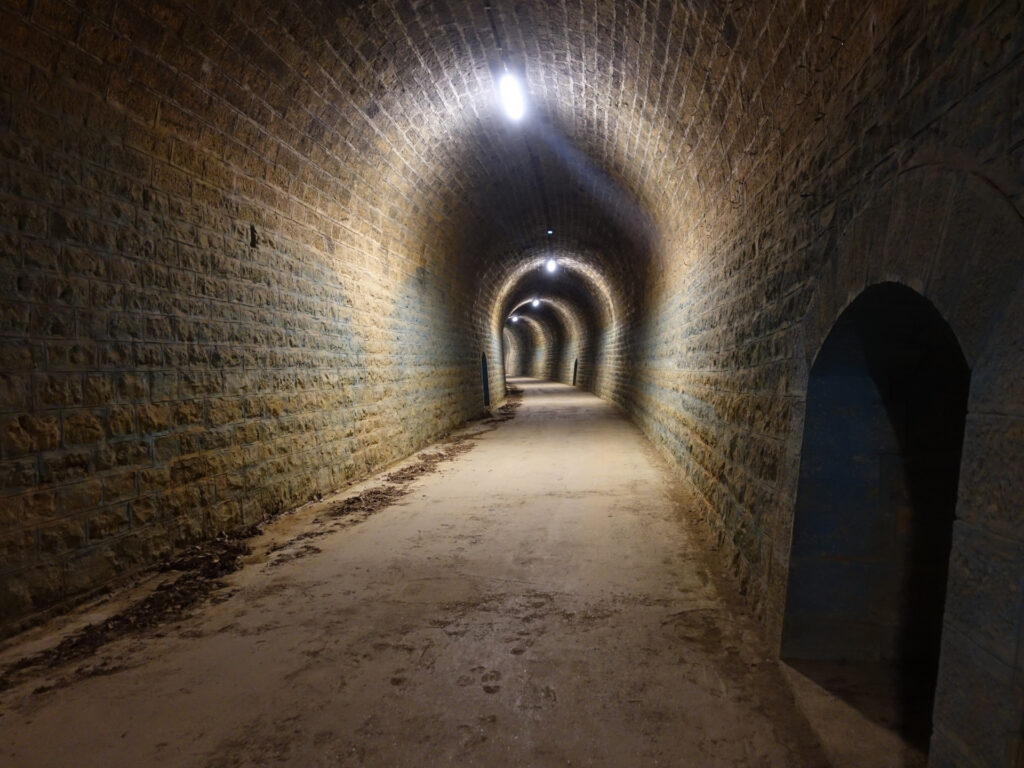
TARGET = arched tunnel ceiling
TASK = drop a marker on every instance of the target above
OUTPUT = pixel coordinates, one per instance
(498, 182)
(572, 299)
(641, 116)
(564, 284)
(256, 250)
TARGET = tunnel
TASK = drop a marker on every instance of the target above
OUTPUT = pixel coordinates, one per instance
(690, 326)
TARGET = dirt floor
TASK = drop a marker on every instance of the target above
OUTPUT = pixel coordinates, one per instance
(529, 593)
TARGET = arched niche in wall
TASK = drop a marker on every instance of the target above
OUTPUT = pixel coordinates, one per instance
(956, 240)
(884, 425)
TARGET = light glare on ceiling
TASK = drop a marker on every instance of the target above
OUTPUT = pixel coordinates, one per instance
(551, 265)
(512, 98)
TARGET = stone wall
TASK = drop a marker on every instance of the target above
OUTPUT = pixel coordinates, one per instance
(512, 351)
(254, 250)
(971, 268)
(208, 313)
(907, 170)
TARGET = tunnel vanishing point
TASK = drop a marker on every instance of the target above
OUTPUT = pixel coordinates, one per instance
(256, 250)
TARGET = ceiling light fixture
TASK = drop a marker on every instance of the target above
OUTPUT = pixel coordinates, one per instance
(551, 265)
(514, 318)
(512, 98)
(535, 303)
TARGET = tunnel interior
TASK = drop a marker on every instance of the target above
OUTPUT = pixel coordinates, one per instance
(886, 409)
(554, 315)
(254, 252)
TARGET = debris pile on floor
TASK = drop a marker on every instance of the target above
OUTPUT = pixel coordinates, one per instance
(427, 463)
(366, 503)
(508, 410)
(294, 554)
(201, 567)
(458, 447)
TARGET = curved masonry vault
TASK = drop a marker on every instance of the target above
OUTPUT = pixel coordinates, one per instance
(253, 251)
(577, 311)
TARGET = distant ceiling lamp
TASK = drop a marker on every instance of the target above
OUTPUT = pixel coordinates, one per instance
(535, 303)
(551, 265)
(512, 97)
(514, 318)
(551, 232)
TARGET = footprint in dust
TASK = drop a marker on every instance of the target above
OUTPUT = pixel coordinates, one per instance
(490, 680)
(470, 737)
(399, 676)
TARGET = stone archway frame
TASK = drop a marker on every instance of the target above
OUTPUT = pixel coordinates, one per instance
(955, 238)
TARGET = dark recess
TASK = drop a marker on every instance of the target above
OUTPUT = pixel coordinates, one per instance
(886, 406)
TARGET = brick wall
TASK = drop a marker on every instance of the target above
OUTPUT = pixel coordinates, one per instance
(243, 242)
(512, 346)
(885, 149)
(212, 305)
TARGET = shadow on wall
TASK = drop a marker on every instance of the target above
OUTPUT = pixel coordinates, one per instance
(511, 353)
(886, 408)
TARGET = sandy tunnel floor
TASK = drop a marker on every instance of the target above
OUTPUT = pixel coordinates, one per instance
(538, 600)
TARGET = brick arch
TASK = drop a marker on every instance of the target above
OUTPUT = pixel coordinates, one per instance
(588, 287)
(949, 234)
(276, 203)
(538, 338)
(958, 241)
(573, 336)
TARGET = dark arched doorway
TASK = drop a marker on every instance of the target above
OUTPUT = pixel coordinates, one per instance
(575, 369)
(886, 405)
(486, 380)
